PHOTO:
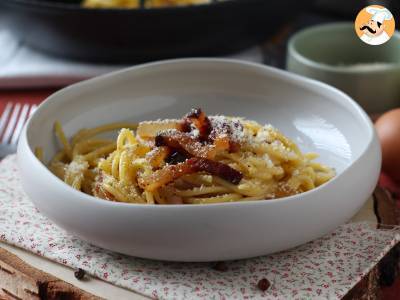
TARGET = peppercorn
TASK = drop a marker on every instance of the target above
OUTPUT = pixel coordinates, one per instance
(79, 274)
(263, 284)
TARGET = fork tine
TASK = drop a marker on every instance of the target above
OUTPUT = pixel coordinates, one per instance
(4, 116)
(33, 109)
(20, 124)
(11, 124)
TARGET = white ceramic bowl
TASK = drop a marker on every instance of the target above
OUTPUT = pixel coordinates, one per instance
(316, 116)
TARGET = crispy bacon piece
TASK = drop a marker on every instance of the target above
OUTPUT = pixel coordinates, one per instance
(175, 158)
(195, 164)
(184, 142)
(199, 119)
(214, 136)
(215, 168)
(210, 131)
(225, 130)
(163, 176)
(222, 143)
(234, 147)
(158, 155)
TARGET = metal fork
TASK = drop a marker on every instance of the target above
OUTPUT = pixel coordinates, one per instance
(11, 123)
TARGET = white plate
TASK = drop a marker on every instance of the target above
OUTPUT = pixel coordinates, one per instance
(316, 116)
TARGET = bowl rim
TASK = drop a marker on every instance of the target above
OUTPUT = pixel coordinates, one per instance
(350, 104)
(333, 26)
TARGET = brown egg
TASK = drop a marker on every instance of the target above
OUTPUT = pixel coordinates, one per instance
(388, 128)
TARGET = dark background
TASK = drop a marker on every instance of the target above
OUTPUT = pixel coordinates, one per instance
(135, 36)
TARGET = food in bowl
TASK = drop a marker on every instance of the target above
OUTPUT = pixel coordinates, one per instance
(195, 160)
(139, 3)
(318, 118)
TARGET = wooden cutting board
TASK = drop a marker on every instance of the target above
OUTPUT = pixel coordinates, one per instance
(19, 280)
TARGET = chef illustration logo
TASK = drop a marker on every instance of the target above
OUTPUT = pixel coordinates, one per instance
(375, 25)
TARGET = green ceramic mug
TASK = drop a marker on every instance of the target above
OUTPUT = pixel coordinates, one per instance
(333, 53)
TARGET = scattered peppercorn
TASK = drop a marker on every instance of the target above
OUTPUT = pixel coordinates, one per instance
(79, 274)
(263, 284)
(220, 266)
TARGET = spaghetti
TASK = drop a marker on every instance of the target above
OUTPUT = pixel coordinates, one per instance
(195, 160)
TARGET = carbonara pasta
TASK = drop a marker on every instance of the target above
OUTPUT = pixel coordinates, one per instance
(195, 160)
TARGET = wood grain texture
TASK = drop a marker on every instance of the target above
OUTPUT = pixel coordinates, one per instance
(385, 206)
(19, 280)
(380, 283)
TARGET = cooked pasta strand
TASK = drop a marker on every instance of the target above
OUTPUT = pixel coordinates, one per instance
(62, 139)
(85, 134)
(39, 153)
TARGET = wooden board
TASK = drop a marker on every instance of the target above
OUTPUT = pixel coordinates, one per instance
(383, 281)
(19, 280)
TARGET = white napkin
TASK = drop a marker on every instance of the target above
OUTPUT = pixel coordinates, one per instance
(23, 67)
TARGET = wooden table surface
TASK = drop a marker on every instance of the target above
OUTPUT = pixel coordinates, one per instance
(369, 288)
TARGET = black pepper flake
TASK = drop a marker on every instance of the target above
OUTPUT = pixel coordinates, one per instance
(79, 274)
(263, 284)
(220, 266)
